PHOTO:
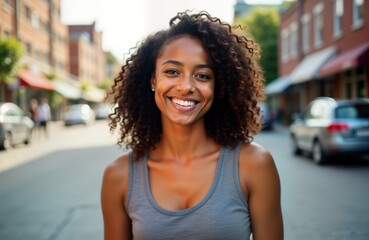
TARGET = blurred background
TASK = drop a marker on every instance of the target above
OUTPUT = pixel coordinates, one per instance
(58, 59)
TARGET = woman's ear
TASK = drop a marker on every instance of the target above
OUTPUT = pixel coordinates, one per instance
(153, 83)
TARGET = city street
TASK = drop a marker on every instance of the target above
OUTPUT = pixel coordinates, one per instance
(50, 190)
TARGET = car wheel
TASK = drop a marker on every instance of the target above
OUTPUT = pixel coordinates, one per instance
(295, 149)
(28, 138)
(318, 155)
(7, 143)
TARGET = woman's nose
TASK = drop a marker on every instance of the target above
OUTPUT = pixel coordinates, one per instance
(185, 84)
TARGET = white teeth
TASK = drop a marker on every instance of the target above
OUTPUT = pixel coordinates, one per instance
(183, 103)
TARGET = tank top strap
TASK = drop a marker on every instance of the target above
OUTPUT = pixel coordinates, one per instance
(230, 174)
(136, 179)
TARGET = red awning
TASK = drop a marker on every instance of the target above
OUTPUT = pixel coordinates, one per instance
(358, 56)
(34, 80)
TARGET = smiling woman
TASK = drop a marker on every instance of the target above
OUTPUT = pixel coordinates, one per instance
(186, 107)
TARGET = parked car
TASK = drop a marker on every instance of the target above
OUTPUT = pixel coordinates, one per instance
(15, 126)
(329, 128)
(267, 116)
(103, 110)
(79, 114)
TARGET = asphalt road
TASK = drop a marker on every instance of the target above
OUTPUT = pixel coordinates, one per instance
(51, 189)
(320, 202)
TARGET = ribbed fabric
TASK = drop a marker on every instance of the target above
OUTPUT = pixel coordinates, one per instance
(223, 214)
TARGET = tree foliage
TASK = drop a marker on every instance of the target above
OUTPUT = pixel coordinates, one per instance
(10, 53)
(110, 58)
(263, 26)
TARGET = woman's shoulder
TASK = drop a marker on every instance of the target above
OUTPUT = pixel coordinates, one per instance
(255, 155)
(117, 172)
(256, 163)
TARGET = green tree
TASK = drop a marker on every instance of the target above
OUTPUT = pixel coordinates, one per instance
(110, 58)
(10, 53)
(263, 26)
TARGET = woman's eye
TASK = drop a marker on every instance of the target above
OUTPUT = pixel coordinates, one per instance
(171, 72)
(202, 76)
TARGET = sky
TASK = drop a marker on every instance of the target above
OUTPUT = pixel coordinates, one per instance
(126, 22)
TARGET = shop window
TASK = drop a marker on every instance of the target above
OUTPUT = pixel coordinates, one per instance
(360, 70)
(360, 89)
(348, 90)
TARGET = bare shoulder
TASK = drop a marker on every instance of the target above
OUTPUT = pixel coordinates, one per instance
(116, 174)
(260, 182)
(256, 165)
(255, 155)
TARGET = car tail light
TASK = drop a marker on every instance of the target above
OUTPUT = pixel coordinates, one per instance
(336, 127)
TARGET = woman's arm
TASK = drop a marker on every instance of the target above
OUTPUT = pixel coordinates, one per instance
(261, 184)
(117, 224)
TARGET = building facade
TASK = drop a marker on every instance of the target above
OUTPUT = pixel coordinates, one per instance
(36, 24)
(87, 58)
(323, 51)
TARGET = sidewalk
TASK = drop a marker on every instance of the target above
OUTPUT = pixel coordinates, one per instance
(59, 137)
(21, 153)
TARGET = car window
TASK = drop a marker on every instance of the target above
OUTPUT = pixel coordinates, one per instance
(318, 110)
(12, 111)
(359, 111)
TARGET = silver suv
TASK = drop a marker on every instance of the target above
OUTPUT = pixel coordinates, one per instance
(329, 128)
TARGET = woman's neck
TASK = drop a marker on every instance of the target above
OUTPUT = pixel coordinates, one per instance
(183, 143)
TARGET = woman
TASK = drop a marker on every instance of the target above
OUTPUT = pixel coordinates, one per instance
(187, 109)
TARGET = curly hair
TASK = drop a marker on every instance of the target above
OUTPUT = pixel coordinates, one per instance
(239, 84)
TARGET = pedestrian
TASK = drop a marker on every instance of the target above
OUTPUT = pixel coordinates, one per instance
(44, 116)
(33, 109)
(187, 111)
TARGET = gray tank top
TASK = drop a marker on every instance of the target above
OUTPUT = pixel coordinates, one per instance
(223, 214)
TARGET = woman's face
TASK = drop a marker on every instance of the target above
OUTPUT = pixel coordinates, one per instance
(183, 81)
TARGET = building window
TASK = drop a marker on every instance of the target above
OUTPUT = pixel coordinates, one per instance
(37, 54)
(284, 45)
(29, 48)
(318, 25)
(337, 18)
(305, 33)
(360, 88)
(293, 40)
(27, 13)
(357, 15)
(6, 4)
(6, 34)
(35, 20)
(46, 57)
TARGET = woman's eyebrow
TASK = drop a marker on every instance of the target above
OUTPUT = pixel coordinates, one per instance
(173, 62)
(181, 64)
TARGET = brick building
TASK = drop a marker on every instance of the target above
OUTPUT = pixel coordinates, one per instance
(36, 24)
(87, 58)
(323, 51)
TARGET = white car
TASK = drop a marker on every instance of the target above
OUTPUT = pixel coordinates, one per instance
(15, 126)
(103, 110)
(79, 114)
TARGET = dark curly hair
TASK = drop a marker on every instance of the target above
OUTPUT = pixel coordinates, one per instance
(239, 84)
